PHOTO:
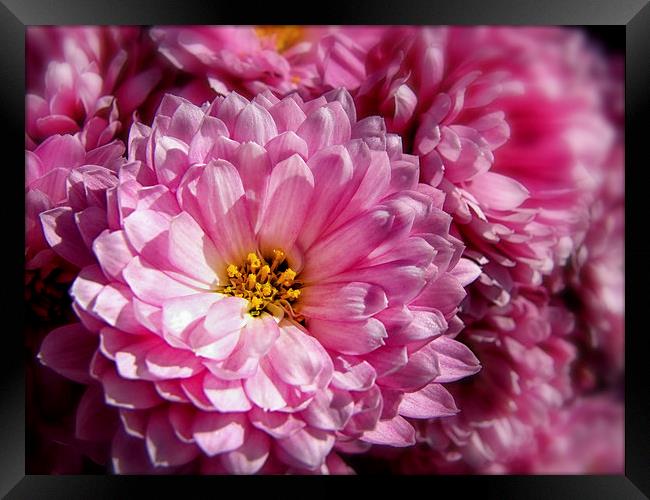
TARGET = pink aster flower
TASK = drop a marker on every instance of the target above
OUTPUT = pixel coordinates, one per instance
(509, 123)
(250, 60)
(526, 376)
(274, 286)
(86, 81)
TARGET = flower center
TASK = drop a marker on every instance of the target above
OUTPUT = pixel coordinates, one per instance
(284, 37)
(272, 287)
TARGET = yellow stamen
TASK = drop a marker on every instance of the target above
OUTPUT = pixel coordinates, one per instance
(267, 290)
(270, 288)
(264, 273)
(254, 262)
(232, 271)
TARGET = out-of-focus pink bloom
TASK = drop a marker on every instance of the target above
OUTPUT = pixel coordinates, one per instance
(274, 286)
(526, 361)
(86, 81)
(61, 172)
(64, 195)
(595, 277)
(249, 60)
(586, 437)
(509, 123)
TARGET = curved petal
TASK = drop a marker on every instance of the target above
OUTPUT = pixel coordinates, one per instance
(285, 206)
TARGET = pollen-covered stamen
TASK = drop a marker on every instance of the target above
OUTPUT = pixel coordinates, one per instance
(272, 287)
(284, 37)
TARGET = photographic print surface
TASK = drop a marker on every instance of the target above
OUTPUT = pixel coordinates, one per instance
(324, 250)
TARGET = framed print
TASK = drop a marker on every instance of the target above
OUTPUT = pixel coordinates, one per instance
(388, 243)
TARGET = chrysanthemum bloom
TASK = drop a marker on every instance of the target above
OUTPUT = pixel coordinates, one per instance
(61, 172)
(526, 361)
(274, 284)
(86, 81)
(509, 123)
(249, 60)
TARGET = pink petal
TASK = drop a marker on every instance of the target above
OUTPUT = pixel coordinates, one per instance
(277, 424)
(353, 377)
(286, 145)
(426, 325)
(129, 394)
(254, 123)
(218, 335)
(151, 285)
(348, 245)
(134, 422)
(420, 370)
(329, 411)
(432, 401)
(114, 305)
(333, 171)
(164, 448)
(324, 127)
(191, 251)
(342, 301)
(306, 448)
(296, 357)
(466, 271)
(254, 166)
(497, 191)
(349, 337)
(181, 313)
(217, 433)
(396, 432)
(224, 209)
(263, 389)
(455, 359)
(68, 351)
(250, 456)
(113, 253)
(166, 362)
(87, 285)
(62, 234)
(171, 390)
(61, 151)
(287, 114)
(226, 396)
(90, 223)
(285, 206)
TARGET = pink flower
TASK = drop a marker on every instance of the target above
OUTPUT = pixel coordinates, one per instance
(86, 81)
(249, 60)
(526, 361)
(274, 286)
(595, 278)
(509, 123)
(64, 186)
(60, 172)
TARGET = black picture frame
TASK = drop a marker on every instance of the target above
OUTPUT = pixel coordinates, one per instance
(629, 16)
